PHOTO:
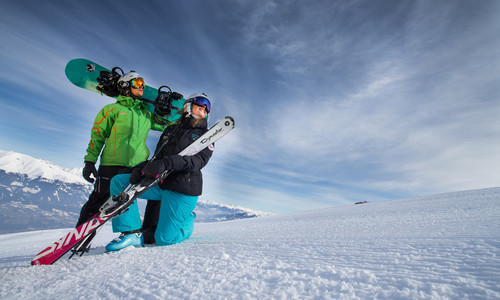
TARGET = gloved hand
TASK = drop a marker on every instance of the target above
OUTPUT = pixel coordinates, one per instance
(89, 169)
(154, 169)
(136, 175)
(177, 96)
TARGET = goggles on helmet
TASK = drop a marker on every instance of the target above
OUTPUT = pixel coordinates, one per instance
(137, 83)
(203, 102)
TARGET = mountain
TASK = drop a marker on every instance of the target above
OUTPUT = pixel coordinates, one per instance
(12, 162)
(207, 212)
(37, 195)
(434, 247)
(39, 203)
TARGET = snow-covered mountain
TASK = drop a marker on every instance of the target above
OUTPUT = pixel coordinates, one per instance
(434, 247)
(36, 194)
(13, 162)
(39, 203)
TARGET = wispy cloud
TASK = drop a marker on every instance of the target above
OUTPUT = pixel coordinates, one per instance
(333, 100)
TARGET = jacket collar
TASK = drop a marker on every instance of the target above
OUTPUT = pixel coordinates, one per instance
(130, 102)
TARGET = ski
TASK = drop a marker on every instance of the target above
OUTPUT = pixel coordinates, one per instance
(116, 205)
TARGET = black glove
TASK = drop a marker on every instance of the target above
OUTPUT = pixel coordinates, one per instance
(136, 175)
(177, 96)
(154, 169)
(88, 170)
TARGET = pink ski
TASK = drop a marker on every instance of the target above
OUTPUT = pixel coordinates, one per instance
(67, 242)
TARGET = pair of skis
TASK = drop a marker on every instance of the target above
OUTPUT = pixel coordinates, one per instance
(78, 239)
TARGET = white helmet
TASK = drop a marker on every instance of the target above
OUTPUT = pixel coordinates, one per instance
(124, 81)
(129, 76)
(199, 99)
(203, 95)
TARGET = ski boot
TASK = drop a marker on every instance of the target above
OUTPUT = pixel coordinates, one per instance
(124, 241)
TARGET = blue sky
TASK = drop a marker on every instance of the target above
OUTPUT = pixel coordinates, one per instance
(334, 101)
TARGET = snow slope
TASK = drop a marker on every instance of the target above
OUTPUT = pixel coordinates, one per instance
(436, 247)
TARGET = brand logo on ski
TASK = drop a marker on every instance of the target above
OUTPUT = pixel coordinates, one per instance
(208, 139)
(70, 239)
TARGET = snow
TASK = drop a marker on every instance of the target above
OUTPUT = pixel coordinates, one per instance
(435, 247)
(14, 162)
(33, 191)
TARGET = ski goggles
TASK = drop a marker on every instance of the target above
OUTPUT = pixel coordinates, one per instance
(137, 83)
(203, 102)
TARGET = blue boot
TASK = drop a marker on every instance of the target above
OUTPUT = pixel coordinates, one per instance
(125, 240)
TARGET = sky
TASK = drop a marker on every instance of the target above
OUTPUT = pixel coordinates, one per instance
(334, 101)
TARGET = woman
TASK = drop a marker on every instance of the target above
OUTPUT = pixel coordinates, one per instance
(179, 192)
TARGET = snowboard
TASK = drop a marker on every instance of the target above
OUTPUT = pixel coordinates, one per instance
(83, 73)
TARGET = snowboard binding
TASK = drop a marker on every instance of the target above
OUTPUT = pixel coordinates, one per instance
(108, 82)
(163, 105)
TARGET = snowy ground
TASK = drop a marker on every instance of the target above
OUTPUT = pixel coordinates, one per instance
(437, 247)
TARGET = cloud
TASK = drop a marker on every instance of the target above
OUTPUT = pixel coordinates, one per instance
(332, 100)
(404, 112)
(272, 196)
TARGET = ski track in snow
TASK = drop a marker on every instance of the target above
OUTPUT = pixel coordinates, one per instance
(436, 247)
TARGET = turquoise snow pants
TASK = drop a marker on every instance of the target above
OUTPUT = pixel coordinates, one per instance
(176, 220)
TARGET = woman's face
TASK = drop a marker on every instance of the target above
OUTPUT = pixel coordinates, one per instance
(198, 111)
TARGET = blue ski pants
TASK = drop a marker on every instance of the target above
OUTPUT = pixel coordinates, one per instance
(176, 221)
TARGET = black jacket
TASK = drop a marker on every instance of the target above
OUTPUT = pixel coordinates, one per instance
(186, 177)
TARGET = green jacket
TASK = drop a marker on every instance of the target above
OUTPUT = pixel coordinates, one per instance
(122, 129)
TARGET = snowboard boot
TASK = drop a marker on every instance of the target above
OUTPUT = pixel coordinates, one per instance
(125, 240)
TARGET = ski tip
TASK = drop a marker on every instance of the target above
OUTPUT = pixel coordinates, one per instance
(229, 121)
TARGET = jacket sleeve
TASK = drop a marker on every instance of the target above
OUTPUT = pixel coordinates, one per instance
(101, 130)
(158, 127)
(189, 163)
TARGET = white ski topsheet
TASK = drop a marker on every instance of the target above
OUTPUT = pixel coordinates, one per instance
(436, 247)
(217, 131)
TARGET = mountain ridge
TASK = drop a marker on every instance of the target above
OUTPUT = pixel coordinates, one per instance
(36, 194)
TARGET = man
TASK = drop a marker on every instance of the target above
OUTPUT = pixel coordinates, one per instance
(120, 131)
